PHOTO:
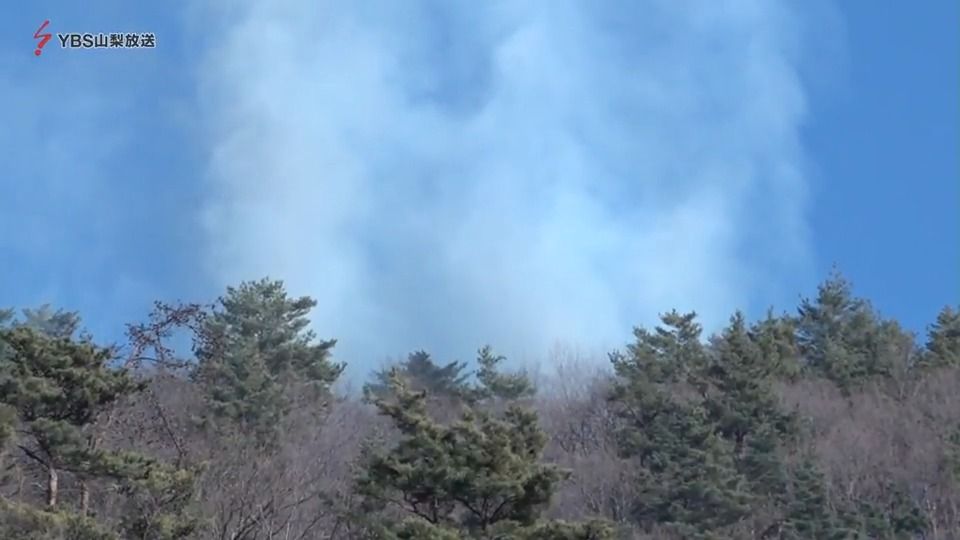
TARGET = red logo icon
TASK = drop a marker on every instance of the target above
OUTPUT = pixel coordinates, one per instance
(44, 38)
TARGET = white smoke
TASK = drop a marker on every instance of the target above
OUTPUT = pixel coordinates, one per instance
(447, 174)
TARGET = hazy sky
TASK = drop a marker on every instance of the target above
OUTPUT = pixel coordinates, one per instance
(441, 175)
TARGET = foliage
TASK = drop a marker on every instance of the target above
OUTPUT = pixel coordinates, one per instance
(160, 504)
(498, 385)
(843, 339)
(24, 522)
(829, 424)
(479, 477)
(53, 390)
(420, 372)
(808, 513)
(57, 387)
(685, 471)
(777, 339)
(943, 340)
(744, 400)
(257, 359)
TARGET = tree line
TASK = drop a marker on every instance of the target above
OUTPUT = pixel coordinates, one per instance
(831, 422)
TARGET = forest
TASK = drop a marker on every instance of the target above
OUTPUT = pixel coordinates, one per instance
(826, 422)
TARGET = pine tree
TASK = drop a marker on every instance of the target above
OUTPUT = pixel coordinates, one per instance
(943, 340)
(745, 410)
(477, 478)
(809, 514)
(686, 475)
(951, 457)
(8, 418)
(672, 352)
(257, 359)
(761, 465)
(159, 504)
(842, 338)
(670, 355)
(905, 516)
(899, 516)
(744, 401)
(52, 389)
(57, 387)
(692, 484)
(55, 323)
(420, 372)
(8, 424)
(812, 515)
(777, 340)
(495, 384)
(24, 522)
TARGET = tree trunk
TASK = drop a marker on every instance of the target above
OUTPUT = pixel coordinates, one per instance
(53, 486)
(84, 497)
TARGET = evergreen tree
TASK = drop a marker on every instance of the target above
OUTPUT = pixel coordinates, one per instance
(495, 384)
(842, 338)
(159, 504)
(690, 484)
(8, 424)
(744, 401)
(478, 478)
(686, 474)
(24, 522)
(809, 514)
(58, 386)
(52, 388)
(745, 410)
(812, 515)
(951, 457)
(55, 323)
(777, 340)
(899, 517)
(763, 468)
(8, 419)
(943, 340)
(671, 354)
(257, 358)
(420, 372)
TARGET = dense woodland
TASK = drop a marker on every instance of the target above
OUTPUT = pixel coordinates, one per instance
(830, 422)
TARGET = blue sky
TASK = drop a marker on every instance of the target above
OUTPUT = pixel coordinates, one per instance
(445, 175)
